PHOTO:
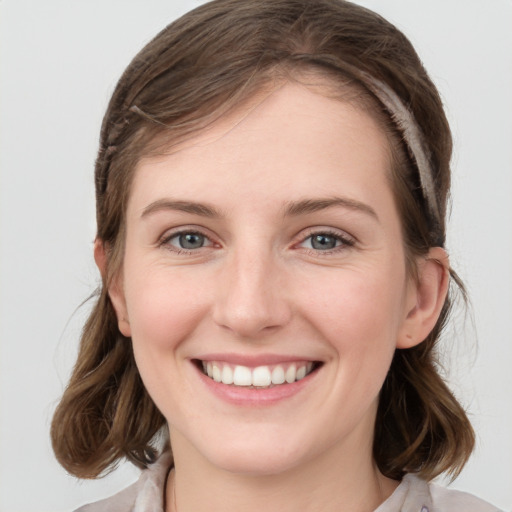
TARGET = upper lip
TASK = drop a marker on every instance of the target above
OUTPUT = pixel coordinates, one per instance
(254, 360)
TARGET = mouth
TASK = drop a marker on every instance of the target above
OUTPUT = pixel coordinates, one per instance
(259, 377)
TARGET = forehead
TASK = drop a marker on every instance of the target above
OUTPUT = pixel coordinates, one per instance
(293, 134)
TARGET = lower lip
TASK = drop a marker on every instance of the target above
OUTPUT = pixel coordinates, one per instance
(244, 396)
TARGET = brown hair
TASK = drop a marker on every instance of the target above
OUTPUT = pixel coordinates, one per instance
(194, 71)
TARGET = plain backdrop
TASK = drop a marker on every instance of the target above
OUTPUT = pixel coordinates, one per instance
(60, 60)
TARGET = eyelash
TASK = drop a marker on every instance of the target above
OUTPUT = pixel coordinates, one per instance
(165, 241)
(344, 241)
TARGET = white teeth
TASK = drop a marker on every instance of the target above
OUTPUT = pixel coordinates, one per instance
(242, 376)
(227, 375)
(261, 376)
(216, 373)
(291, 373)
(278, 375)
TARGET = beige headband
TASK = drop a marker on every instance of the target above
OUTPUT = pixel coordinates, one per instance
(403, 120)
(406, 123)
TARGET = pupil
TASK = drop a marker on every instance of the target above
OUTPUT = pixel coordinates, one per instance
(191, 241)
(323, 242)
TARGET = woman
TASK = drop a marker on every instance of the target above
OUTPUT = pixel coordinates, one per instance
(271, 196)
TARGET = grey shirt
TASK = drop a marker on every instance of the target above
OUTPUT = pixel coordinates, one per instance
(412, 495)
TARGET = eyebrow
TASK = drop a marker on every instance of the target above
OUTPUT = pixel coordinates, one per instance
(292, 209)
(203, 210)
(306, 206)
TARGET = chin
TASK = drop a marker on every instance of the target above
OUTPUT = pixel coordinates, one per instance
(255, 462)
(260, 456)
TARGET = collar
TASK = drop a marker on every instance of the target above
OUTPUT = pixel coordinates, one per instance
(147, 494)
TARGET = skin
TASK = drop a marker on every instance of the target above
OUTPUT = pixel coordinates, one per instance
(259, 286)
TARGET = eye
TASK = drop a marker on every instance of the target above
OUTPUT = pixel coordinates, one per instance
(190, 240)
(187, 241)
(325, 241)
(322, 242)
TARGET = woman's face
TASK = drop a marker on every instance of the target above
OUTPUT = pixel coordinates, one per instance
(267, 249)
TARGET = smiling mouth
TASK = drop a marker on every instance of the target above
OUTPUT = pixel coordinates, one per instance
(258, 377)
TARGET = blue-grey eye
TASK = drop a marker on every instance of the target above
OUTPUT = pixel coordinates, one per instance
(191, 240)
(324, 242)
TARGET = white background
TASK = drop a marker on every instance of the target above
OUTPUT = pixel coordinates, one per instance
(60, 60)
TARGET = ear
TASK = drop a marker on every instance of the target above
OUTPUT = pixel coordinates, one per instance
(115, 288)
(425, 298)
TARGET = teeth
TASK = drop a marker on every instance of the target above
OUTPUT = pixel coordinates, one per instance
(291, 373)
(278, 375)
(242, 376)
(301, 373)
(227, 375)
(261, 376)
(216, 373)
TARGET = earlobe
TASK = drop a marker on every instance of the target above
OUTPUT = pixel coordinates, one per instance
(115, 288)
(425, 298)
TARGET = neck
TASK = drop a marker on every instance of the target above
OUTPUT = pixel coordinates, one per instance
(334, 481)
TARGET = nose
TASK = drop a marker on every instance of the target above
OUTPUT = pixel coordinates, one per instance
(251, 300)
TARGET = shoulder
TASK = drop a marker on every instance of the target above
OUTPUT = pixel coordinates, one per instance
(145, 495)
(121, 502)
(448, 500)
(416, 495)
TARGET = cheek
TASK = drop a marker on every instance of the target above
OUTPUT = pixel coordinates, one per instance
(163, 308)
(359, 315)
(354, 304)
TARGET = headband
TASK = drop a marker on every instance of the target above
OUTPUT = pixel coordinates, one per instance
(406, 123)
